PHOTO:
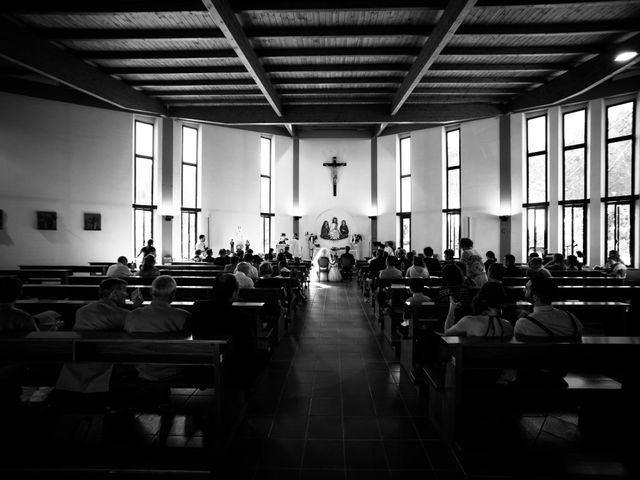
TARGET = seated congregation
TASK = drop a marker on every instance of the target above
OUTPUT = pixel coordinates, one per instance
(423, 308)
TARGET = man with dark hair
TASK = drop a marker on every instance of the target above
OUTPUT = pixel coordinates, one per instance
(416, 286)
(347, 262)
(510, 269)
(432, 264)
(545, 319)
(496, 272)
(209, 257)
(391, 271)
(222, 259)
(536, 269)
(448, 255)
(119, 269)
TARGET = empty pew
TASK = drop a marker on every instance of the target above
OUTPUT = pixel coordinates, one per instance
(60, 275)
(91, 269)
(138, 280)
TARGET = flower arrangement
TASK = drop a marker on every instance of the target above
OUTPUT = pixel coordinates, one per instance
(356, 238)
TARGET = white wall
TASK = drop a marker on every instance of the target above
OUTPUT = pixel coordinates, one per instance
(231, 184)
(427, 157)
(283, 189)
(353, 189)
(69, 159)
(480, 183)
(387, 155)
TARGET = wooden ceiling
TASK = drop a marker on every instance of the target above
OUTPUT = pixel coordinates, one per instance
(319, 68)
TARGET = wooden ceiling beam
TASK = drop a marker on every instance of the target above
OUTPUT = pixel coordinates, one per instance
(345, 67)
(578, 80)
(444, 30)
(20, 46)
(346, 31)
(476, 51)
(224, 17)
(174, 70)
(337, 114)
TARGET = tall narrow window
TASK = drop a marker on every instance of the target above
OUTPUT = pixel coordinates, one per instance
(620, 192)
(266, 206)
(190, 202)
(452, 210)
(536, 203)
(404, 182)
(143, 180)
(574, 201)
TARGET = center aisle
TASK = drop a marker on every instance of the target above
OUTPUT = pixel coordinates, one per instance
(332, 404)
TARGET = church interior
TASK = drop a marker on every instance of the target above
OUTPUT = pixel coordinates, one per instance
(320, 126)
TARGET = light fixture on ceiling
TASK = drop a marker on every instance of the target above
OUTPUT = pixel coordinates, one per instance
(625, 56)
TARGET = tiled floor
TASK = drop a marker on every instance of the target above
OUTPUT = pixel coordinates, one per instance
(332, 403)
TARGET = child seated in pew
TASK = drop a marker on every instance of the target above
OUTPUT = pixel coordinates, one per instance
(416, 287)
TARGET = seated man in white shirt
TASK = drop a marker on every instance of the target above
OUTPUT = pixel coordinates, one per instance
(119, 269)
(243, 275)
(159, 317)
(545, 319)
(391, 271)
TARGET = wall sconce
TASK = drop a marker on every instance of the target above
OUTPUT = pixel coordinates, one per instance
(504, 218)
(297, 217)
(167, 218)
(373, 217)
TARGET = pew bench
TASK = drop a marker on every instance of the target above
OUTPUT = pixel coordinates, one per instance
(99, 269)
(600, 377)
(415, 342)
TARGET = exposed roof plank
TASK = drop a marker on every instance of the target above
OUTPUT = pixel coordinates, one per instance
(444, 30)
(579, 80)
(335, 67)
(414, 30)
(22, 47)
(337, 114)
(227, 22)
(542, 50)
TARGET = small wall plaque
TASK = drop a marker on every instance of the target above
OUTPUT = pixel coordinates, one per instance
(47, 221)
(92, 221)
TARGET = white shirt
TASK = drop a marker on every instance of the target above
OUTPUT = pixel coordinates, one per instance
(558, 321)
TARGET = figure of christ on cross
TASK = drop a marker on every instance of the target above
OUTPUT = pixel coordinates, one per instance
(334, 172)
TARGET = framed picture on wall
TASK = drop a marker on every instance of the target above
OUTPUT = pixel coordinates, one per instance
(1, 219)
(47, 220)
(92, 221)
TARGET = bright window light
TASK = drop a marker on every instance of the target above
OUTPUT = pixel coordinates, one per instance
(625, 56)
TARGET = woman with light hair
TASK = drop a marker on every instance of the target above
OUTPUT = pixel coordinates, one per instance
(242, 274)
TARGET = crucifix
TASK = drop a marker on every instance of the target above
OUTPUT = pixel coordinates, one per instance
(334, 172)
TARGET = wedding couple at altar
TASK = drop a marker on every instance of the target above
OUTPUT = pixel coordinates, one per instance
(326, 266)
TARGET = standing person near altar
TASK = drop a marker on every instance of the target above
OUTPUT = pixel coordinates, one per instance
(295, 247)
(201, 244)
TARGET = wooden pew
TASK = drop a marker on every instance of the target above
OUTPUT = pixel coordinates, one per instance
(450, 395)
(567, 280)
(190, 266)
(190, 281)
(39, 275)
(68, 308)
(193, 272)
(91, 269)
(598, 318)
(274, 312)
(90, 292)
(123, 349)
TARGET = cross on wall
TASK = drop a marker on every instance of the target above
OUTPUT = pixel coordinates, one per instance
(333, 165)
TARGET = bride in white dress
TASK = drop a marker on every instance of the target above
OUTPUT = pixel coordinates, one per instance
(322, 252)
